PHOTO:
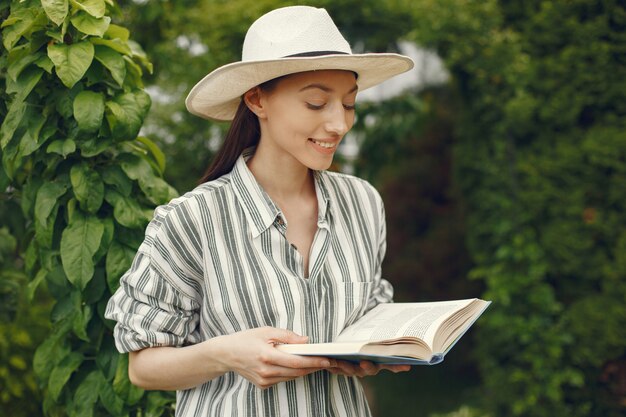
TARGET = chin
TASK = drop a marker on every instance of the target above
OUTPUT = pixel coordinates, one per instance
(320, 165)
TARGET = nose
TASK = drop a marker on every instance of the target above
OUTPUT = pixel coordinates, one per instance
(339, 120)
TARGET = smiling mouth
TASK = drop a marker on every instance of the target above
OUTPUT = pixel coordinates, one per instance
(327, 145)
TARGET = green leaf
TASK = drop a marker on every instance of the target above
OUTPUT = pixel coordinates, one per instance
(11, 122)
(96, 8)
(95, 289)
(56, 10)
(107, 238)
(45, 63)
(19, 23)
(157, 154)
(113, 61)
(62, 147)
(115, 44)
(113, 175)
(119, 259)
(122, 386)
(31, 257)
(19, 58)
(88, 110)
(61, 374)
(25, 83)
(140, 54)
(79, 242)
(95, 146)
(118, 32)
(47, 198)
(125, 114)
(110, 400)
(32, 286)
(87, 393)
(50, 352)
(90, 25)
(80, 321)
(155, 188)
(88, 187)
(127, 211)
(71, 61)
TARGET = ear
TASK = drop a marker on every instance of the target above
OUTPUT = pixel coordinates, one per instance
(254, 99)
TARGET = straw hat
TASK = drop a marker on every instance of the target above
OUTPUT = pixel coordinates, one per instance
(285, 41)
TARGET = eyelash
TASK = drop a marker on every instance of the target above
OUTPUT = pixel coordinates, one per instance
(314, 107)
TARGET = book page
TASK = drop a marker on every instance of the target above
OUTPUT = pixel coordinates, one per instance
(396, 320)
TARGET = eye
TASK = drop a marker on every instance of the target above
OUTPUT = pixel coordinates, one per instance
(315, 107)
(349, 107)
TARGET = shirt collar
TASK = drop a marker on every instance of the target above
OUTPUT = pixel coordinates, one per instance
(259, 208)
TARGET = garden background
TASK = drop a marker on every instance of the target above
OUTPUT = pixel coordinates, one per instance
(507, 181)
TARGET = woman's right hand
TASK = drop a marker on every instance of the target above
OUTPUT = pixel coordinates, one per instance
(252, 354)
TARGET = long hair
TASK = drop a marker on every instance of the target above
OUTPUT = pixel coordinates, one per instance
(243, 133)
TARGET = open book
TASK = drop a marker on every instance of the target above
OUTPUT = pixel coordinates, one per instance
(400, 333)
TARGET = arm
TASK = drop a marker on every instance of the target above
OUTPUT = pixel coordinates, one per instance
(249, 353)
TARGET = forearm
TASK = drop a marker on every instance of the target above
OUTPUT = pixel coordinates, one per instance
(172, 368)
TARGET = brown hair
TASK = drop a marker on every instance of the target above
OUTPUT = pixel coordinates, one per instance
(243, 133)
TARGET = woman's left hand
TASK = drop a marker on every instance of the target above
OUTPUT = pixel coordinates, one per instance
(364, 368)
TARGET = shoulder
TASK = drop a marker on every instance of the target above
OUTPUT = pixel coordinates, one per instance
(349, 186)
(191, 206)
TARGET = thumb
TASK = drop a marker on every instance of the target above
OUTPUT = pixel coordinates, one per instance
(287, 336)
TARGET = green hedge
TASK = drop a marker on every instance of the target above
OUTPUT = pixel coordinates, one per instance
(541, 162)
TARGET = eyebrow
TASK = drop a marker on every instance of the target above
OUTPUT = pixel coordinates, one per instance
(325, 88)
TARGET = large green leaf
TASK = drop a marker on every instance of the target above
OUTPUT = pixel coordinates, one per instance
(90, 25)
(50, 352)
(119, 260)
(126, 113)
(87, 393)
(113, 61)
(154, 187)
(157, 154)
(110, 400)
(71, 61)
(19, 58)
(80, 320)
(79, 242)
(88, 187)
(127, 211)
(11, 122)
(88, 110)
(61, 374)
(47, 197)
(115, 44)
(95, 8)
(113, 175)
(56, 10)
(21, 22)
(63, 147)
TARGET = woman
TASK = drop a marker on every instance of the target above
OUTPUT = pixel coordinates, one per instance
(271, 248)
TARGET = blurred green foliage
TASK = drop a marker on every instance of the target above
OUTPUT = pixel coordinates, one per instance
(541, 163)
(24, 322)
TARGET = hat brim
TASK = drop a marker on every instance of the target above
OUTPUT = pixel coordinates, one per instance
(218, 94)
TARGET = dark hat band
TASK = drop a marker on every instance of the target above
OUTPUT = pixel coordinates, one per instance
(316, 53)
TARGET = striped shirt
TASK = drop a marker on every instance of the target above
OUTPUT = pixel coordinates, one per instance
(216, 261)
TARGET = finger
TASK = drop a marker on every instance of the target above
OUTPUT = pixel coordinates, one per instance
(369, 368)
(278, 336)
(288, 360)
(397, 368)
(349, 368)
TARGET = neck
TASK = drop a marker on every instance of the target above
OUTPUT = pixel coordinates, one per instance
(281, 176)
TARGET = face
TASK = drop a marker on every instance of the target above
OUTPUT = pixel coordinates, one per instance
(305, 116)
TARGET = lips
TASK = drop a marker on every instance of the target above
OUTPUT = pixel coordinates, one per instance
(324, 144)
